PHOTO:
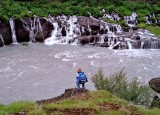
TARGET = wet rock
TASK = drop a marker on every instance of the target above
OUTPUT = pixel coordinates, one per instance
(87, 39)
(5, 31)
(91, 23)
(155, 84)
(47, 28)
(155, 102)
(21, 33)
(1, 43)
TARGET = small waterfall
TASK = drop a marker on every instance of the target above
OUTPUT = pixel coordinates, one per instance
(119, 28)
(34, 26)
(102, 37)
(154, 18)
(128, 43)
(89, 29)
(2, 39)
(151, 19)
(113, 16)
(39, 27)
(14, 39)
(147, 20)
(69, 26)
(142, 45)
(53, 39)
(131, 20)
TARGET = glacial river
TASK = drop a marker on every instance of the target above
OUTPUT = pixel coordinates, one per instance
(38, 71)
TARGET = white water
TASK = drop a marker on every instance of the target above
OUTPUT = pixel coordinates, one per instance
(37, 71)
(71, 27)
(32, 27)
(14, 39)
(2, 39)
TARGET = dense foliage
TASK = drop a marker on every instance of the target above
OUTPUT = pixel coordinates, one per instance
(117, 84)
(20, 8)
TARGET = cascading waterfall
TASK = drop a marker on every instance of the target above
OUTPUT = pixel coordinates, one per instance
(142, 45)
(70, 26)
(112, 16)
(129, 43)
(151, 19)
(131, 20)
(39, 27)
(14, 39)
(2, 39)
(77, 30)
(33, 27)
(147, 20)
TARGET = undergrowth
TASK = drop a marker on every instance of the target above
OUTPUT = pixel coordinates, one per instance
(117, 83)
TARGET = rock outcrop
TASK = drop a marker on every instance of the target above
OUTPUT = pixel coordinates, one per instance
(155, 84)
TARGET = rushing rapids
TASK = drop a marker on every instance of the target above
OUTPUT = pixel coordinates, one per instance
(78, 30)
(36, 71)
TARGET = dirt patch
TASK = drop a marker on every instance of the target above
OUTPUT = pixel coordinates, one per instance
(108, 106)
(68, 94)
(73, 111)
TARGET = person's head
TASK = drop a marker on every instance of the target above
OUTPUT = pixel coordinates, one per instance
(79, 70)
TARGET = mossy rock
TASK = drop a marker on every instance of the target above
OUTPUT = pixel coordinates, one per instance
(24, 43)
(155, 84)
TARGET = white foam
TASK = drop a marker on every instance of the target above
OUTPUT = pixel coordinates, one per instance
(65, 59)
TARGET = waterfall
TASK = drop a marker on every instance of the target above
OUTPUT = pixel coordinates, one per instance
(131, 20)
(53, 39)
(113, 16)
(142, 45)
(154, 18)
(147, 20)
(14, 39)
(39, 27)
(102, 39)
(68, 25)
(2, 39)
(128, 43)
(33, 26)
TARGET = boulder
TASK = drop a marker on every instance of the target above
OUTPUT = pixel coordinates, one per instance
(91, 23)
(155, 84)
(155, 102)
(21, 33)
(87, 39)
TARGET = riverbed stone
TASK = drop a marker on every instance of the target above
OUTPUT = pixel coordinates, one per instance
(155, 84)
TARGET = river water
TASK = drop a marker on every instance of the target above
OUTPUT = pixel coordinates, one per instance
(37, 71)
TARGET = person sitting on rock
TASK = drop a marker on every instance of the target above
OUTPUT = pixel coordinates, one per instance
(81, 79)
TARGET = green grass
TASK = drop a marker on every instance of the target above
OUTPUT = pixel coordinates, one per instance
(9, 8)
(94, 99)
(149, 111)
(152, 28)
(17, 107)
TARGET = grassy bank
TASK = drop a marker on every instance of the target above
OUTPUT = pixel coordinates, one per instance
(96, 102)
(153, 28)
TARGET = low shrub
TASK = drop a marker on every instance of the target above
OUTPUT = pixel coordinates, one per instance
(118, 84)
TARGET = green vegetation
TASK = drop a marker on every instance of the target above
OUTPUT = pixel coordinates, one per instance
(153, 28)
(17, 107)
(96, 102)
(117, 84)
(18, 9)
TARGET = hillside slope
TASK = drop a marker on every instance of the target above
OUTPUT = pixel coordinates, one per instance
(73, 102)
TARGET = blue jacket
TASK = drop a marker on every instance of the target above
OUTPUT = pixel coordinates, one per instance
(78, 76)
